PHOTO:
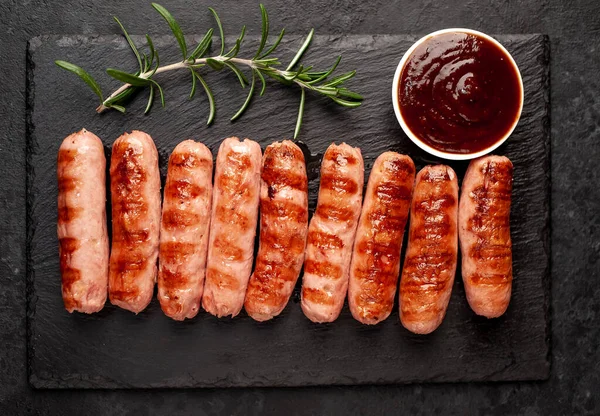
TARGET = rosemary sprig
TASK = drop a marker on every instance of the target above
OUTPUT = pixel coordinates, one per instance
(260, 65)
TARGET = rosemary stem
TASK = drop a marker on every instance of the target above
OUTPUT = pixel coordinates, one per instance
(185, 64)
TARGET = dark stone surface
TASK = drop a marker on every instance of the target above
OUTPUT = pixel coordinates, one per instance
(575, 302)
(117, 349)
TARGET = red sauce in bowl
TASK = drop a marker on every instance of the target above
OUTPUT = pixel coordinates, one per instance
(459, 93)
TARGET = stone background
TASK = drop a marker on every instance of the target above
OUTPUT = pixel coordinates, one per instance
(574, 30)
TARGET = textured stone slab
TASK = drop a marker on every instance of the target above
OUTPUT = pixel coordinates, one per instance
(116, 349)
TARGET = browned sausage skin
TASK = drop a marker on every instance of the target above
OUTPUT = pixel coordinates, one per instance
(283, 228)
(233, 226)
(327, 266)
(484, 232)
(184, 230)
(135, 193)
(431, 254)
(81, 226)
(376, 256)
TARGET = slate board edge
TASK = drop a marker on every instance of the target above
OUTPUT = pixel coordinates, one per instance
(548, 186)
(52, 383)
(75, 381)
(29, 272)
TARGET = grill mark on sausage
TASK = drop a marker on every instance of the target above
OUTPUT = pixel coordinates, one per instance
(290, 245)
(324, 241)
(188, 160)
(283, 210)
(130, 264)
(67, 214)
(176, 218)
(228, 214)
(334, 212)
(434, 176)
(226, 246)
(340, 184)
(428, 207)
(399, 167)
(230, 181)
(68, 245)
(323, 269)
(491, 279)
(340, 158)
(123, 295)
(270, 276)
(183, 190)
(390, 192)
(67, 184)
(433, 260)
(70, 275)
(67, 156)
(129, 172)
(275, 172)
(318, 296)
(222, 280)
(176, 252)
(173, 280)
(130, 238)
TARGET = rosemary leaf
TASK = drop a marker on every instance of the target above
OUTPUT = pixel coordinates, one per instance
(151, 47)
(237, 72)
(118, 108)
(215, 64)
(146, 63)
(160, 90)
(248, 98)
(150, 99)
(343, 92)
(81, 73)
(264, 32)
(267, 61)
(238, 43)
(326, 74)
(130, 42)
(220, 26)
(211, 99)
(300, 114)
(302, 49)
(274, 46)
(262, 79)
(174, 27)
(193, 84)
(331, 91)
(203, 45)
(127, 77)
(340, 79)
(120, 97)
(157, 64)
(346, 103)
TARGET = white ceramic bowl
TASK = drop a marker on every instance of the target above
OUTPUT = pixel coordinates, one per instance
(396, 99)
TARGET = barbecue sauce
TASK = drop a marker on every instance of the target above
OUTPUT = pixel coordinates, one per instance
(459, 93)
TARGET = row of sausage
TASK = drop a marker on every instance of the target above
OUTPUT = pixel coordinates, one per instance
(203, 237)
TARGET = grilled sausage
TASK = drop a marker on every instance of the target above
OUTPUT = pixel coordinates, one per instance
(135, 190)
(82, 235)
(233, 226)
(484, 233)
(376, 256)
(331, 233)
(430, 262)
(184, 230)
(283, 229)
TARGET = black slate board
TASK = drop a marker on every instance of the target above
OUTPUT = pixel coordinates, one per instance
(116, 349)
